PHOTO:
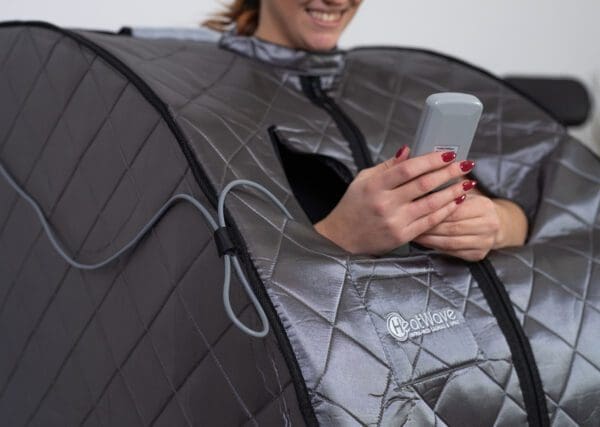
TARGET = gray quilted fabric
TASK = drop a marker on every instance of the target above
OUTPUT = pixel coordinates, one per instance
(146, 341)
(554, 284)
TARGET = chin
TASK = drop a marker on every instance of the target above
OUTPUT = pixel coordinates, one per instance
(321, 43)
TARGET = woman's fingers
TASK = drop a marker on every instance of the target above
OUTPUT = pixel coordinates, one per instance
(470, 238)
(427, 222)
(431, 181)
(413, 178)
(437, 200)
(455, 243)
(474, 225)
(407, 170)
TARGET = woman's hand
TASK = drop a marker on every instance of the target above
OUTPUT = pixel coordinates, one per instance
(383, 207)
(479, 225)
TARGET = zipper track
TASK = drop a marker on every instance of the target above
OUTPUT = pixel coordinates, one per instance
(520, 348)
(210, 192)
(311, 86)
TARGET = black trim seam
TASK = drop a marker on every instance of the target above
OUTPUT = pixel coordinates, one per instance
(210, 192)
(522, 355)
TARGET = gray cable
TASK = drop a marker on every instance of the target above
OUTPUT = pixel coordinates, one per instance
(236, 263)
(214, 225)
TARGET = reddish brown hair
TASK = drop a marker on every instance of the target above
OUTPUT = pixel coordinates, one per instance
(241, 13)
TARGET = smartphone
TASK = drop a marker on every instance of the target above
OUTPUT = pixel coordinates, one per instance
(448, 123)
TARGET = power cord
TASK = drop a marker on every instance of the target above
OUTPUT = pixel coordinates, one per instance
(227, 251)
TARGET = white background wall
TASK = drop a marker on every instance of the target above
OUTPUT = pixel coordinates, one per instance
(554, 37)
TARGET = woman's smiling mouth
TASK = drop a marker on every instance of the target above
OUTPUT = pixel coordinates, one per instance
(326, 17)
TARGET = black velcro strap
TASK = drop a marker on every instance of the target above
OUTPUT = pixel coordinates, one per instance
(223, 241)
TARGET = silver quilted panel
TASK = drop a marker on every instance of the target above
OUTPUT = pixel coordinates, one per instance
(555, 286)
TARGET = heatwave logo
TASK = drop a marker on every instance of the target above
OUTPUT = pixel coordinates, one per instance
(423, 323)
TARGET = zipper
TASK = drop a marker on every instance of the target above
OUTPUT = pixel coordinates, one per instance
(312, 88)
(522, 355)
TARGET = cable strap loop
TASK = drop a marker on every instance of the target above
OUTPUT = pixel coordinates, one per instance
(224, 243)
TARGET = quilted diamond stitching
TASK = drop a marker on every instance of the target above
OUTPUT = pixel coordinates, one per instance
(39, 235)
(123, 379)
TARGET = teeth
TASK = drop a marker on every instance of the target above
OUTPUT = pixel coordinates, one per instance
(325, 16)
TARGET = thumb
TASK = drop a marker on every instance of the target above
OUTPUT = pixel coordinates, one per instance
(401, 155)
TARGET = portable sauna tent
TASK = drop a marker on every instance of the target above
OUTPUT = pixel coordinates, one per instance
(101, 130)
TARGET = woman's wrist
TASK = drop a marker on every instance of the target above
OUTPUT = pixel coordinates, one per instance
(513, 224)
(333, 230)
(326, 229)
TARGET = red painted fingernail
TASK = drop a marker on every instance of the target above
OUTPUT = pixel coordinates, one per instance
(460, 199)
(467, 185)
(401, 150)
(448, 156)
(467, 165)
